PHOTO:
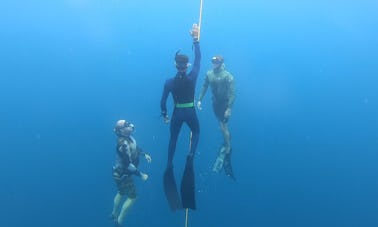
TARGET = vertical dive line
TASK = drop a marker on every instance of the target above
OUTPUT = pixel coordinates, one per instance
(200, 20)
(186, 216)
(187, 209)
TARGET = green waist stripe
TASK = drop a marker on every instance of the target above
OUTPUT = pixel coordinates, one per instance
(185, 105)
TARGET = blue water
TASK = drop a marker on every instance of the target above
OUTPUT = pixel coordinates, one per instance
(304, 124)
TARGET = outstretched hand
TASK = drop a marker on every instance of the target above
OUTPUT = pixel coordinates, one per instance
(195, 31)
(148, 158)
(166, 119)
(199, 105)
(227, 113)
(144, 176)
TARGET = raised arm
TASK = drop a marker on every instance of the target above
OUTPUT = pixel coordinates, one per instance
(197, 59)
(197, 52)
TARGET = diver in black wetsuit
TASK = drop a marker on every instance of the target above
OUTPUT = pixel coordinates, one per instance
(182, 88)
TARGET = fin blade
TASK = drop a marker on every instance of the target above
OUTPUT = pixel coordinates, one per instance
(188, 185)
(228, 166)
(170, 190)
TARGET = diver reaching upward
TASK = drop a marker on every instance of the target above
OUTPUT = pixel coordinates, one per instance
(182, 87)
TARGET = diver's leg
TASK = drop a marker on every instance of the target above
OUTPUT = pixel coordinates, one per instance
(117, 177)
(188, 179)
(130, 190)
(125, 207)
(227, 166)
(169, 182)
(219, 109)
(117, 202)
(193, 124)
(175, 127)
(226, 136)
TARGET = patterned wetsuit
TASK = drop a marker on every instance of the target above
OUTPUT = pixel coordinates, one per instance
(223, 90)
(126, 165)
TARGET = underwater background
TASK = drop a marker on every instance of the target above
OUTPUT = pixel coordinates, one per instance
(304, 124)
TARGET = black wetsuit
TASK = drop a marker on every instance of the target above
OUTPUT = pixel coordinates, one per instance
(182, 87)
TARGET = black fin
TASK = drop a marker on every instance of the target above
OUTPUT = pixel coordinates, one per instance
(228, 167)
(188, 185)
(170, 190)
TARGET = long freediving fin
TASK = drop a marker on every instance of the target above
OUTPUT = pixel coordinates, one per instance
(227, 166)
(170, 190)
(188, 185)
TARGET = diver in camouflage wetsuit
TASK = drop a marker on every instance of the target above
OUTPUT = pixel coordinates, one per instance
(223, 95)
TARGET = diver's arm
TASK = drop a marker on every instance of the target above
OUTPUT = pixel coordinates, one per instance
(131, 168)
(144, 154)
(204, 88)
(163, 101)
(197, 59)
(134, 170)
(231, 95)
(197, 51)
